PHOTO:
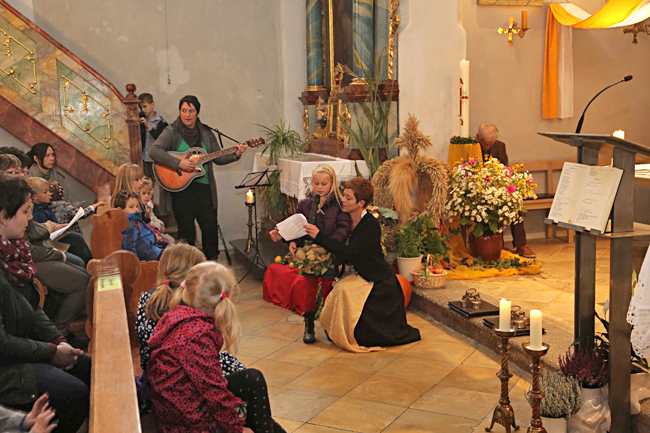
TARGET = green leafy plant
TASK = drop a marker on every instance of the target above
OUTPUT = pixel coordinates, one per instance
(408, 240)
(433, 243)
(562, 397)
(281, 141)
(372, 134)
(457, 139)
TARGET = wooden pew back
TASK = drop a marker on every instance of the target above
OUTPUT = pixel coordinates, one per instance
(113, 398)
(107, 237)
(104, 193)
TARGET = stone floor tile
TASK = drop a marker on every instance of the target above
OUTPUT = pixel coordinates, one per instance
(259, 346)
(418, 421)
(426, 372)
(328, 381)
(484, 357)
(313, 428)
(476, 379)
(443, 351)
(458, 402)
(389, 390)
(247, 360)
(299, 405)
(288, 424)
(358, 415)
(282, 330)
(532, 291)
(279, 373)
(306, 354)
(370, 362)
(400, 350)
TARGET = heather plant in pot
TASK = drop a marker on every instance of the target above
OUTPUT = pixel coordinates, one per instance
(560, 402)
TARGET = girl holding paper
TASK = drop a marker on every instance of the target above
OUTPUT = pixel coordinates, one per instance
(282, 285)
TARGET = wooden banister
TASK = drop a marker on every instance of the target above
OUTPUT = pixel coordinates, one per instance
(113, 398)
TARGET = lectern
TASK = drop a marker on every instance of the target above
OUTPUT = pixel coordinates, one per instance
(623, 231)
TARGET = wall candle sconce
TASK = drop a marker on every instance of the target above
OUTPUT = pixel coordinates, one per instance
(636, 29)
(513, 28)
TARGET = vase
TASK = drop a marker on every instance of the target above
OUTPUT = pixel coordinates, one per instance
(594, 415)
(639, 390)
(554, 425)
(406, 265)
(487, 247)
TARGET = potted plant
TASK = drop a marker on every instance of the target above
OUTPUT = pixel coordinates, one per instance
(490, 196)
(560, 402)
(591, 370)
(408, 240)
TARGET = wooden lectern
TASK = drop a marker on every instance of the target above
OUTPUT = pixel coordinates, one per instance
(623, 231)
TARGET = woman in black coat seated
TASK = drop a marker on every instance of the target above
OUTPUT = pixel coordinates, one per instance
(35, 357)
(365, 310)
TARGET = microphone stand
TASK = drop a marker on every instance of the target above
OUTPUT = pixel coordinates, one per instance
(582, 118)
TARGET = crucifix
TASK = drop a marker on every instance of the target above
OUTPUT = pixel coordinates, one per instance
(637, 28)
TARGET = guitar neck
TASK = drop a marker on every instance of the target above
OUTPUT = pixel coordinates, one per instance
(210, 156)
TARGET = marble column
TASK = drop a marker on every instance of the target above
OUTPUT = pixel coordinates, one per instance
(363, 37)
(315, 73)
(382, 31)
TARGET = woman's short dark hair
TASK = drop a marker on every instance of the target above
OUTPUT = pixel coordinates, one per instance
(10, 150)
(362, 189)
(39, 150)
(13, 194)
(190, 100)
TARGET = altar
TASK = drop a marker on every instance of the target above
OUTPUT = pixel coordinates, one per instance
(295, 177)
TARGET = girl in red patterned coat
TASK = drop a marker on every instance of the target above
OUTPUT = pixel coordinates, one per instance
(189, 392)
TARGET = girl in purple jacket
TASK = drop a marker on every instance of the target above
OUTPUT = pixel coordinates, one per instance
(330, 219)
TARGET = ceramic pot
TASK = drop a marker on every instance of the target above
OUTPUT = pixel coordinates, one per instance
(406, 265)
(554, 425)
(594, 415)
(488, 248)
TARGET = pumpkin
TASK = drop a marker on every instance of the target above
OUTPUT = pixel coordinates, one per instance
(406, 288)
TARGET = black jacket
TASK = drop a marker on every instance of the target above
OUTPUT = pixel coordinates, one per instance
(25, 332)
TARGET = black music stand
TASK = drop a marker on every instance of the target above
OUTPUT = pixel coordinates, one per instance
(252, 181)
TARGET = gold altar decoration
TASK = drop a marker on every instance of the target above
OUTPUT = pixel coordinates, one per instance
(423, 176)
(394, 24)
(85, 98)
(334, 112)
(513, 28)
(31, 87)
(305, 122)
(637, 28)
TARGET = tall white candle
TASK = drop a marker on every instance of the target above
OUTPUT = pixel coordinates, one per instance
(250, 198)
(504, 315)
(464, 98)
(535, 330)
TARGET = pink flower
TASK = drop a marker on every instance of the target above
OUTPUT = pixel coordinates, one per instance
(511, 189)
(466, 174)
(508, 171)
(487, 179)
(473, 160)
(463, 165)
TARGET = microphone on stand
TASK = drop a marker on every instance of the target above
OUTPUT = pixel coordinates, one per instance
(314, 209)
(582, 118)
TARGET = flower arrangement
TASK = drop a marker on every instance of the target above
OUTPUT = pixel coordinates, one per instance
(589, 367)
(488, 194)
(310, 259)
(562, 397)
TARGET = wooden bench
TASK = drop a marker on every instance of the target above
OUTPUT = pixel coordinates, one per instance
(113, 398)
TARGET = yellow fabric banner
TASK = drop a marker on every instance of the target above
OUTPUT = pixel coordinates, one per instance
(614, 12)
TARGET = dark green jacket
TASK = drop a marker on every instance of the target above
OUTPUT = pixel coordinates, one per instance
(26, 337)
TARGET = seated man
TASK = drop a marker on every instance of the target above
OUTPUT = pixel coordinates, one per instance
(490, 145)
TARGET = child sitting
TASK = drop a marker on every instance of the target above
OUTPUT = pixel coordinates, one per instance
(138, 237)
(43, 213)
(146, 195)
(189, 392)
(64, 211)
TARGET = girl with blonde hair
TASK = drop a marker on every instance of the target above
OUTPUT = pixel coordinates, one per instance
(284, 286)
(128, 178)
(189, 392)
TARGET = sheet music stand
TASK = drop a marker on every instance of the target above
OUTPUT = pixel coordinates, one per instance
(252, 181)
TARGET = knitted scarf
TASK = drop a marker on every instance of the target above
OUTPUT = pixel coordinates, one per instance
(16, 262)
(192, 136)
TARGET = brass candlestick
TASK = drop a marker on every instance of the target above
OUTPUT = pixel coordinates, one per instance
(504, 414)
(536, 394)
(250, 242)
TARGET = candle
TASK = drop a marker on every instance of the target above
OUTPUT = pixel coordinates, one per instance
(535, 330)
(524, 19)
(512, 20)
(249, 196)
(464, 98)
(504, 315)
(619, 134)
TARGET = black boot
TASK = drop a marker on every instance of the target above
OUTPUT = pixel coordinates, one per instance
(309, 338)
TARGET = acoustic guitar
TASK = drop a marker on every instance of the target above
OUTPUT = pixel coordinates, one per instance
(177, 180)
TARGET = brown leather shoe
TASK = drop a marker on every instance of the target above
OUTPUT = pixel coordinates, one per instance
(525, 251)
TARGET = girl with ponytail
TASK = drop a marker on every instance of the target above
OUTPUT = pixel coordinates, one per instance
(189, 392)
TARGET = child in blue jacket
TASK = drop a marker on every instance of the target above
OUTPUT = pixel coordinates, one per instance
(138, 237)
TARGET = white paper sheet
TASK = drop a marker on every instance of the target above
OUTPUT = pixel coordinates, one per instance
(293, 227)
(58, 233)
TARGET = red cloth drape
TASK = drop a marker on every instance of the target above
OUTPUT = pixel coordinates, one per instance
(285, 288)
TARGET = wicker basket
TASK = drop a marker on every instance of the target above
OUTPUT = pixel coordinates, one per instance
(433, 281)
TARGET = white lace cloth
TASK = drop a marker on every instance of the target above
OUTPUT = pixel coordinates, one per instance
(638, 314)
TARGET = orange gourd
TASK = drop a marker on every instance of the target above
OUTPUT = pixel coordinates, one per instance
(406, 288)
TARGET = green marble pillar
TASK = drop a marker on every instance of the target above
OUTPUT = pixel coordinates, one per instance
(315, 71)
(382, 33)
(363, 37)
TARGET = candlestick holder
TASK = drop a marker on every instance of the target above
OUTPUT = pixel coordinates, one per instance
(504, 414)
(250, 242)
(535, 394)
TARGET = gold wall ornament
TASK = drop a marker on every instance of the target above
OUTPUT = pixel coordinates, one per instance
(344, 117)
(305, 122)
(513, 28)
(322, 116)
(636, 29)
(394, 25)
(85, 99)
(9, 40)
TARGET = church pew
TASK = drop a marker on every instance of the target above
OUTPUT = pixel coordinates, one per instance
(104, 193)
(113, 399)
(106, 236)
(145, 282)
